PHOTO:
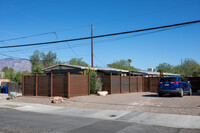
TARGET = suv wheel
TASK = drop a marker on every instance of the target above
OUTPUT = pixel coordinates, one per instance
(190, 93)
(181, 93)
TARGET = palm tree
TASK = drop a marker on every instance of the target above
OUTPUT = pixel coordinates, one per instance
(129, 62)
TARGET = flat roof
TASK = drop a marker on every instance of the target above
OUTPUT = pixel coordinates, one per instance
(86, 68)
(155, 73)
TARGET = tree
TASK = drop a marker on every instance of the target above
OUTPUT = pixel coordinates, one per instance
(196, 72)
(9, 73)
(48, 59)
(189, 66)
(59, 62)
(26, 72)
(35, 58)
(36, 62)
(165, 67)
(5, 69)
(37, 69)
(40, 60)
(77, 61)
(18, 77)
(129, 62)
(12, 75)
(177, 69)
(122, 64)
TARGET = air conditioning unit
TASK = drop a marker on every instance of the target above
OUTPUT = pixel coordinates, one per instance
(150, 69)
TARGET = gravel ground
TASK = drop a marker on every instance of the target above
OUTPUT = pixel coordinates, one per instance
(136, 102)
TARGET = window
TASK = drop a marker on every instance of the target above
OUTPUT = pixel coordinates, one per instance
(167, 79)
(184, 80)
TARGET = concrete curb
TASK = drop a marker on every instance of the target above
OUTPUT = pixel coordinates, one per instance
(167, 120)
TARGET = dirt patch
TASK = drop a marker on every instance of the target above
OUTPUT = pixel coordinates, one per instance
(136, 102)
(10, 106)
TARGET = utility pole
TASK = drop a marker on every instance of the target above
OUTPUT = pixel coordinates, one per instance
(181, 62)
(91, 45)
(181, 65)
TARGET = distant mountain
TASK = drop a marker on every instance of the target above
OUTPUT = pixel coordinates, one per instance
(16, 64)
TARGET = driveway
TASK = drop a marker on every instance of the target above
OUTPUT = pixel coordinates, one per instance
(135, 102)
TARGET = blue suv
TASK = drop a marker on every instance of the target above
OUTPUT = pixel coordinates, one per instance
(174, 85)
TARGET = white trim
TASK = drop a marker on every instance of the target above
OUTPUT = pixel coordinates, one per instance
(82, 67)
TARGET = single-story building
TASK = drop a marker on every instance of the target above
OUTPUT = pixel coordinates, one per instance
(4, 82)
(75, 69)
(152, 73)
(82, 70)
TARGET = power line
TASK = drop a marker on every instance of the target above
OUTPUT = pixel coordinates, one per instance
(99, 61)
(72, 49)
(97, 42)
(14, 57)
(8, 56)
(47, 49)
(114, 39)
(10, 32)
(27, 36)
(105, 35)
(101, 41)
(40, 34)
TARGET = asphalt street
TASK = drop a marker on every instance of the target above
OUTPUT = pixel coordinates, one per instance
(14, 121)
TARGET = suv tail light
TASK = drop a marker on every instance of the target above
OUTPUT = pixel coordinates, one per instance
(159, 83)
(175, 83)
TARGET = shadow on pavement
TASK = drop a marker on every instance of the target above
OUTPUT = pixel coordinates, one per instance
(156, 95)
(195, 94)
(167, 95)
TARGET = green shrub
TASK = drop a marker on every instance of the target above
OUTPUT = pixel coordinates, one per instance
(99, 84)
(95, 83)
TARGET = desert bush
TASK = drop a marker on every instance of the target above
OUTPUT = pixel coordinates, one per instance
(95, 83)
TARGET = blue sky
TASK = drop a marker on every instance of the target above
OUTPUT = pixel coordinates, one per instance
(70, 19)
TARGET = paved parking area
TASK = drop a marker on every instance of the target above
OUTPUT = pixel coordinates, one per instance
(135, 102)
(61, 121)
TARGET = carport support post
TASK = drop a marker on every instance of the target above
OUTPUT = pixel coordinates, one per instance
(110, 83)
(51, 84)
(68, 83)
(121, 83)
(36, 85)
(89, 83)
(23, 84)
(137, 83)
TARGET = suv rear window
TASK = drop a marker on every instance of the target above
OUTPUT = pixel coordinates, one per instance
(167, 79)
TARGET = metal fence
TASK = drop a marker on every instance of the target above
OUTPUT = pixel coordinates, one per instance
(122, 84)
(127, 84)
(151, 83)
(79, 85)
(56, 85)
(195, 82)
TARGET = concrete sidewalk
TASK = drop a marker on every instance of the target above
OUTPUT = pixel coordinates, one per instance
(167, 120)
(3, 95)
